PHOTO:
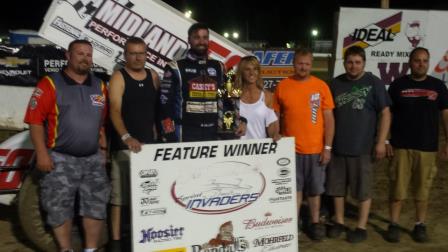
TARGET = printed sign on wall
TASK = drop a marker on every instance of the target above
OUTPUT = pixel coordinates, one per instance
(108, 23)
(388, 36)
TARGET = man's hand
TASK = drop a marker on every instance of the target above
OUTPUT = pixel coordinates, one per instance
(325, 157)
(133, 144)
(380, 151)
(389, 150)
(444, 152)
(241, 130)
(44, 162)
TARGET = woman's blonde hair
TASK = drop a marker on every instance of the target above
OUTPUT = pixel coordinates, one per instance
(248, 60)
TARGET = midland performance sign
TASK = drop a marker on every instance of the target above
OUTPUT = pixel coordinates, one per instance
(388, 36)
(224, 196)
(107, 24)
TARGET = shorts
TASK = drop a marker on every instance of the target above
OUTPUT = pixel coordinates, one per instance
(120, 178)
(415, 167)
(310, 174)
(354, 172)
(72, 176)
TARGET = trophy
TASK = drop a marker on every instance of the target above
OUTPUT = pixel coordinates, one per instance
(228, 107)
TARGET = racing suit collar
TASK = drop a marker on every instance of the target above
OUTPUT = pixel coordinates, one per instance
(193, 56)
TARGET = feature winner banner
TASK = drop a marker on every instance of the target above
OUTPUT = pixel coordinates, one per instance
(389, 35)
(215, 196)
(108, 24)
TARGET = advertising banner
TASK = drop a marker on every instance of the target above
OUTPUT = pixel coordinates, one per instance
(108, 24)
(21, 67)
(275, 66)
(389, 35)
(25, 65)
(215, 196)
(17, 67)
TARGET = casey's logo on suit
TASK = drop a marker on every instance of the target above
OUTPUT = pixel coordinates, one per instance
(202, 89)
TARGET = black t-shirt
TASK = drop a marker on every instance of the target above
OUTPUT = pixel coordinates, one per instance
(357, 104)
(415, 110)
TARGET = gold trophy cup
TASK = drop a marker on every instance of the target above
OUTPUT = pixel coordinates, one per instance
(228, 107)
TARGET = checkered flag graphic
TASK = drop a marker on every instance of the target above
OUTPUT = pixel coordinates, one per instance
(86, 8)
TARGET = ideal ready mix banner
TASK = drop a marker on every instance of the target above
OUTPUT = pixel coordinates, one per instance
(108, 24)
(215, 196)
(388, 36)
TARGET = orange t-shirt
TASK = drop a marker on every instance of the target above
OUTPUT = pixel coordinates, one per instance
(300, 104)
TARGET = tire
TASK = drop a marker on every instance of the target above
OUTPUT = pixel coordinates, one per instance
(32, 219)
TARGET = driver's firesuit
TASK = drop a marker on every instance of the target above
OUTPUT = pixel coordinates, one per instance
(188, 99)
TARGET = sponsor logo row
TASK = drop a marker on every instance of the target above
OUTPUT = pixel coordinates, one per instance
(224, 241)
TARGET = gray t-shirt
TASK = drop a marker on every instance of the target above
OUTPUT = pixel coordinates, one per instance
(357, 104)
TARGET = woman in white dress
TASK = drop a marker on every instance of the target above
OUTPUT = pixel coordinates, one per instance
(255, 103)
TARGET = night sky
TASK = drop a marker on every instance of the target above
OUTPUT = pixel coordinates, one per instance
(275, 22)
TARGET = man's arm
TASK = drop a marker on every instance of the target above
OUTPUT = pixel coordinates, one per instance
(155, 79)
(443, 106)
(328, 136)
(103, 139)
(104, 118)
(156, 83)
(41, 105)
(116, 90)
(383, 130)
(391, 93)
(169, 102)
(445, 130)
(43, 162)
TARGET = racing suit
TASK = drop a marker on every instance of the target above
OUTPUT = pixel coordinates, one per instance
(188, 99)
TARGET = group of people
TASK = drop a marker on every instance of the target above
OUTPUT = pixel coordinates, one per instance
(341, 128)
(338, 129)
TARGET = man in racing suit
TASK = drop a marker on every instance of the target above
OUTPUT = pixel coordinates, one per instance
(189, 104)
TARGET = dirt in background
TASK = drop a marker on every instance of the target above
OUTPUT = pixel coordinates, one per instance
(437, 220)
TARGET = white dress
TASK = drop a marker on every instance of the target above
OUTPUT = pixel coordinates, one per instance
(258, 116)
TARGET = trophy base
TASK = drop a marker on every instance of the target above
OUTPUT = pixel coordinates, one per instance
(227, 135)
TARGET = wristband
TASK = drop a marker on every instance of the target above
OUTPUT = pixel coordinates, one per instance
(327, 147)
(387, 142)
(125, 136)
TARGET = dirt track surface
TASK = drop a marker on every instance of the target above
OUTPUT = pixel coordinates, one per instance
(13, 240)
(11, 237)
(437, 221)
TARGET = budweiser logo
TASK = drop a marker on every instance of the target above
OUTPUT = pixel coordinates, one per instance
(267, 221)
